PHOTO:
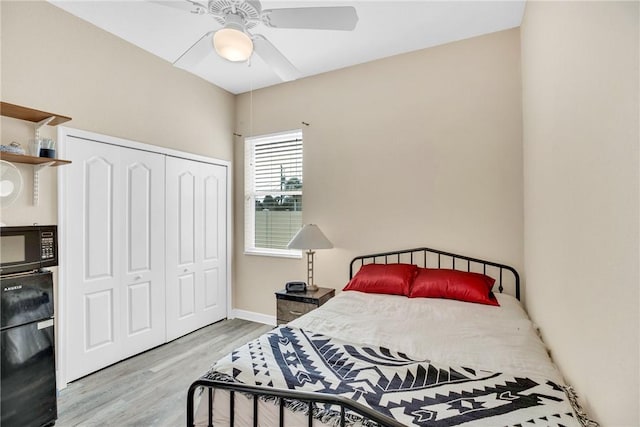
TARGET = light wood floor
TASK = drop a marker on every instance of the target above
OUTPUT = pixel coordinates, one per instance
(151, 389)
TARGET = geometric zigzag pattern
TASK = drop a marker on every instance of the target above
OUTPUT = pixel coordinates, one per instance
(414, 392)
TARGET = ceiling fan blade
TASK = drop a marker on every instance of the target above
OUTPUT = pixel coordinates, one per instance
(275, 59)
(314, 18)
(196, 53)
(185, 5)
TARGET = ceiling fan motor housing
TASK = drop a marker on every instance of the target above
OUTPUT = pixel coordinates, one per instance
(235, 21)
(249, 11)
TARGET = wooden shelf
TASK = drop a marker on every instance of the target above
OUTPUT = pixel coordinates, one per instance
(40, 118)
(31, 160)
(29, 114)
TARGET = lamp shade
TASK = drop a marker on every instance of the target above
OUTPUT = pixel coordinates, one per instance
(232, 42)
(309, 237)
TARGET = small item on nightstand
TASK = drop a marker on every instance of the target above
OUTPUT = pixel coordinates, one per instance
(296, 287)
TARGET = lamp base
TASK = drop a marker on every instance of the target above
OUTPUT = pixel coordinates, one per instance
(312, 288)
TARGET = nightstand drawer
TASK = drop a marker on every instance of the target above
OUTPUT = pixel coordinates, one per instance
(290, 310)
(291, 305)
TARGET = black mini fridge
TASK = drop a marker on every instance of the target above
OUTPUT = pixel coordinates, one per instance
(28, 376)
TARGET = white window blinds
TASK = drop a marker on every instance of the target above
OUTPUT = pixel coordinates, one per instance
(273, 192)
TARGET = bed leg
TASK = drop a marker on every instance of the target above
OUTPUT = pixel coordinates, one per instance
(210, 395)
(232, 408)
(190, 394)
(255, 410)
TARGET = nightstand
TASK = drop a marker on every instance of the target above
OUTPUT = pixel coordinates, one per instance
(291, 305)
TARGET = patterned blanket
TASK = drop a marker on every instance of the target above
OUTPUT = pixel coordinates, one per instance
(416, 393)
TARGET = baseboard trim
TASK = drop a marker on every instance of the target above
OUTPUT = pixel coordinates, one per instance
(253, 316)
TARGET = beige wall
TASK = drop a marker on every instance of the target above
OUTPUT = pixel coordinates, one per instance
(419, 149)
(580, 129)
(55, 62)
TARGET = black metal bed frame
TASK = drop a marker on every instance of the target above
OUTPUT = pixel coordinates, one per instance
(423, 257)
(310, 398)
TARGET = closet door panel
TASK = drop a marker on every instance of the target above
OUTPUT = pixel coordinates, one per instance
(211, 214)
(211, 287)
(98, 309)
(182, 268)
(115, 217)
(196, 245)
(143, 276)
(186, 206)
(187, 296)
(93, 283)
(98, 208)
(139, 218)
(214, 179)
(139, 301)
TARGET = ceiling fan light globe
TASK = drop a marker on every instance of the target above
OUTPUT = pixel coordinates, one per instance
(232, 44)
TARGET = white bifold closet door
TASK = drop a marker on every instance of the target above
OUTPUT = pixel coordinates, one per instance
(196, 251)
(115, 284)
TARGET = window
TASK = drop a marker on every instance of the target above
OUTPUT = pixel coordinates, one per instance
(273, 193)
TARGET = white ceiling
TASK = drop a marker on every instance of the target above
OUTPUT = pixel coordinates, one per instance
(385, 28)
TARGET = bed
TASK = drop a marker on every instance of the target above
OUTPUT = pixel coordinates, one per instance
(385, 352)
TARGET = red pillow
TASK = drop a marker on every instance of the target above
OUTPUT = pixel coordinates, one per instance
(453, 284)
(392, 279)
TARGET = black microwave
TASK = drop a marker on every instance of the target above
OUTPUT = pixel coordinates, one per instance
(28, 248)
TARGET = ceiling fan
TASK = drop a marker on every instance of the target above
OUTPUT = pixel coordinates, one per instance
(235, 43)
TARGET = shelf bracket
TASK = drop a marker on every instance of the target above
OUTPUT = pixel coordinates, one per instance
(36, 178)
(41, 123)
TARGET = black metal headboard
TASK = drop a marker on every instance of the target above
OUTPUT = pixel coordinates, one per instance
(434, 258)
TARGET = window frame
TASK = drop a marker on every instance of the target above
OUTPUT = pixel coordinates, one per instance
(250, 194)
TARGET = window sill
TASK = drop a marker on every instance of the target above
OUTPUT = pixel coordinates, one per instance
(276, 254)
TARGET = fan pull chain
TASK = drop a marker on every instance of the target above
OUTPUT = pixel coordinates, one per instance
(251, 107)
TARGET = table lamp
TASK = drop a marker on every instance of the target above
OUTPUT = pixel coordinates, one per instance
(310, 237)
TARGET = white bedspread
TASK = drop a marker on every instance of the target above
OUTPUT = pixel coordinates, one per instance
(500, 339)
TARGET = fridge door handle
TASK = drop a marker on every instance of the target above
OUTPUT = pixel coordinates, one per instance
(45, 324)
